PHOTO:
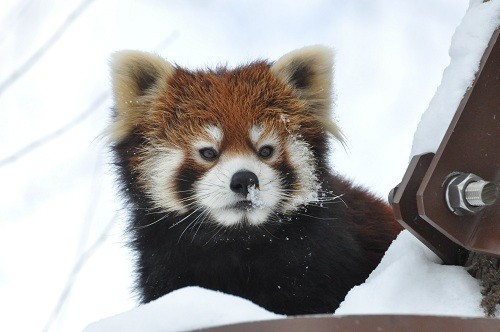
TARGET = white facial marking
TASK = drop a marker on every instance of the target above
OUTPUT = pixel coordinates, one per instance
(157, 176)
(213, 191)
(261, 138)
(255, 133)
(304, 164)
(213, 140)
(215, 133)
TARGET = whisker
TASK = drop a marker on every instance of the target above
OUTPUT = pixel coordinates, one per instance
(267, 231)
(151, 224)
(202, 214)
(314, 217)
(218, 229)
(178, 222)
(191, 223)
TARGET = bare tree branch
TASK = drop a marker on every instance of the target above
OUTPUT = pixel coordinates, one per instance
(94, 106)
(7, 25)
(46, 139)
(82, 260)
(94, 197)
(26, 66)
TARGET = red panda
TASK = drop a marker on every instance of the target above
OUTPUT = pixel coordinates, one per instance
(226, 177)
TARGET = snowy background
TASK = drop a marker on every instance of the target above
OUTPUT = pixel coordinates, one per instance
(62, 260)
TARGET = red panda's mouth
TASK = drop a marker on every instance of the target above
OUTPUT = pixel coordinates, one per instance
(244, 205)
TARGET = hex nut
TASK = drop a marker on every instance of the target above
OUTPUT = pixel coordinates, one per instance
(455, 194)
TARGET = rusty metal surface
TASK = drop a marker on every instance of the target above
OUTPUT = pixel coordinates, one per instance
(406, 212)
(471, 144)
(387, 323)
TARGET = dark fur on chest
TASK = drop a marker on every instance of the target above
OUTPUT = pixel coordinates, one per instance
(303, 264)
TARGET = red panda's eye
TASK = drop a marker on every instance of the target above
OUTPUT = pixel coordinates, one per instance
(208, 154)
(266, 151)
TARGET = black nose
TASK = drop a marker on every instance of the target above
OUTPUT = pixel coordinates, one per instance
(242, 180)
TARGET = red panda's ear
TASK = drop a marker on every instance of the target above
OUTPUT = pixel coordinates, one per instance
(137, 77)
(309, 71)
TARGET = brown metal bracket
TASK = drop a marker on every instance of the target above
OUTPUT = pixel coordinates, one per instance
(470, 145)
(406, 212)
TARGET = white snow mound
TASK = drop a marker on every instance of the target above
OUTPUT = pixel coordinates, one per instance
(184, 309)
(411, 280)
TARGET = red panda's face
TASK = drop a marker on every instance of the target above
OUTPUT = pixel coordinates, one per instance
(225, 146)
(270, 174)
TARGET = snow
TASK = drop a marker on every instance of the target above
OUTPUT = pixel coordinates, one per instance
(185, 309)
(254, 196)
(59, 200)
(410, 279)
(467, 47)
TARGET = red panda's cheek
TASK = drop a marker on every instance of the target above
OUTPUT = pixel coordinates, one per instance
(158, 171)
(300, 156)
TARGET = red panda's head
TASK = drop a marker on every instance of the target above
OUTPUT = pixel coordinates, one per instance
(230, 146)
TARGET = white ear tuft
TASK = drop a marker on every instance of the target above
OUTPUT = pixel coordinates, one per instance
(309, 71)
(136, 77)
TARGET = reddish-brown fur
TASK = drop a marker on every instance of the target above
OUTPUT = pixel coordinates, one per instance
(235, 100)
(314, 252)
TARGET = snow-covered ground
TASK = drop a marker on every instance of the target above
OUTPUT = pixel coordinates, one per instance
(57, 270)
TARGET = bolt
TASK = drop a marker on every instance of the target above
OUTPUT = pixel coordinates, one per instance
(391, 195)
(481, 193)
(468, 194)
